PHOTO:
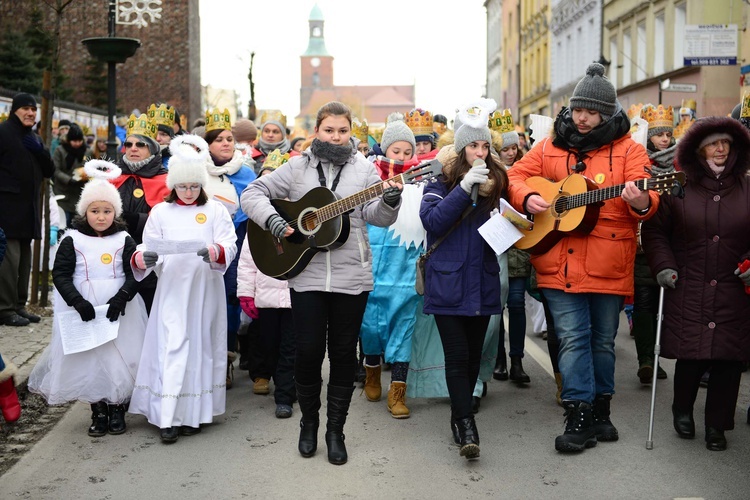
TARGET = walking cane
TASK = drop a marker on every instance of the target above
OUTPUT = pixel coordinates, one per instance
(657, 351)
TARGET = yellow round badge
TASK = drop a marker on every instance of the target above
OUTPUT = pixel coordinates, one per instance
(106, 258)
(138, 193)
(599, 178)
(200, 218)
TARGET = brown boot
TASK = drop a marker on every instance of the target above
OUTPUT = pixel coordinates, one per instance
(260, 386)
(373, 389)
(558, 380)
(397, 400)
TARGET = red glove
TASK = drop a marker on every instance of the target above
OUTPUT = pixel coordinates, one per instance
(248, 305)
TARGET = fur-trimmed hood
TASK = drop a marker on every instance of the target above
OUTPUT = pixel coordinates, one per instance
(693, 164)
(9, 371)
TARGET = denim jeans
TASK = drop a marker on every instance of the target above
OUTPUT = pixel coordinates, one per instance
(586, 325)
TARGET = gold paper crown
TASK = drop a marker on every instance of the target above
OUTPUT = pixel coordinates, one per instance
(635, 110)
(681, 128)
(3, 117)
(419, 121)
(658, 116)
(502, 122)
(218, 120)
(86, 130)
(273, 115)
(141, 125)
(439, 128)
(162, 115)
(745, 111)
(689, 103)
(102, 132)
(275, 159)
(360, 130)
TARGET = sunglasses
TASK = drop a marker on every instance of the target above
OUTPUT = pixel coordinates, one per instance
(129, 144)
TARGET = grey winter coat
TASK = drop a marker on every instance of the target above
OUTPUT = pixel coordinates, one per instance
(347, 269)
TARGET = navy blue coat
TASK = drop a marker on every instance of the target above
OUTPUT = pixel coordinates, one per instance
(462, 276)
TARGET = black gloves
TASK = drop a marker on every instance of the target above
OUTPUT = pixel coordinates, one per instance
(117, 305)
(32, 143)
(391, 196)
(85, 309)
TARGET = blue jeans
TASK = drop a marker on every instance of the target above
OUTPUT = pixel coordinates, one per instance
(586, 325)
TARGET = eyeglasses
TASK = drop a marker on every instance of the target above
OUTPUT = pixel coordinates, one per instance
(192, 187)
(129, 144)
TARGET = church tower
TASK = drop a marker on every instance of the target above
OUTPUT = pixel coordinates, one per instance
(316, 63)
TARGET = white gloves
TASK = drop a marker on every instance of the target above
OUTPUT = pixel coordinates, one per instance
(475, 175)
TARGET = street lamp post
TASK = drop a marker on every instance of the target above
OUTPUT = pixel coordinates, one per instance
(112, 50)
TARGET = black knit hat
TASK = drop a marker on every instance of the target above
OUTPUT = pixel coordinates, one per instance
(594, 91)
(166, 129)
(74, 133)
(22, 100)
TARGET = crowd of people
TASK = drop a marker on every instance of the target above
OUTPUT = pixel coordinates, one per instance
(158, 251)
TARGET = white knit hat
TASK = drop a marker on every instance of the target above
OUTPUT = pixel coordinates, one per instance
(473, 119)
(98, 188)
(188, 162)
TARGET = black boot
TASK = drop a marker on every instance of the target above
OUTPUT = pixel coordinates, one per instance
(683, 423)
(715, 440)
(116, 419)
(468, 437)
(517, 374)
(454, 429)
(476, 401)
(308, 397)
(99, 419)
(603, 427)
(501, 367)
(579, 428)
(338, 408)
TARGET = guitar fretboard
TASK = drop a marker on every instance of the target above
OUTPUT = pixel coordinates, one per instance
(333, 210)
(599, 195)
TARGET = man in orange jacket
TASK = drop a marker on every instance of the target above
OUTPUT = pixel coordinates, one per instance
(586, 276)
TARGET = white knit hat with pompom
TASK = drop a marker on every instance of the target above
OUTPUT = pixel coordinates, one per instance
(188, 163)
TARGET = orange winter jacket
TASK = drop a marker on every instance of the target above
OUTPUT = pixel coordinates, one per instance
(601, 261)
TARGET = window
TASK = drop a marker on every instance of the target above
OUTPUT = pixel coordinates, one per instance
(613, 57)
(641, 62)
(627, 58)
(316, 79)
(659, 44)
(679, 36)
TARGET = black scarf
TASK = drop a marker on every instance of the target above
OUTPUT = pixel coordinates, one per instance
(568, 138)
(74, 154)
(334, 153)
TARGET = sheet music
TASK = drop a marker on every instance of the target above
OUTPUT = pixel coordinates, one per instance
(79, 336)
(170, 247)
(499, 233)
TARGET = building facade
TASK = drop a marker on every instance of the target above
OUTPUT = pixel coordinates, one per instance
(534, 92)
(576, 28)
(645, 45)
(494, 84)
(165, 68)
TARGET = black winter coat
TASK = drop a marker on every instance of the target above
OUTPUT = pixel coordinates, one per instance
(21, 176)
(704, 236)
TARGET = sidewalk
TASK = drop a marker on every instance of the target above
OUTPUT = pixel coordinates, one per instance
(22, 345)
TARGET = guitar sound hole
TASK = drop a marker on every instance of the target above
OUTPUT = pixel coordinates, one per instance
(561, 205)
(310, 223)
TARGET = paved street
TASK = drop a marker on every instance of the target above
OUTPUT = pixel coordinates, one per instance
(248, 453)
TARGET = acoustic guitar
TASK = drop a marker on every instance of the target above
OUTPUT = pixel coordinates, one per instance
(574, 206)
(321, 223)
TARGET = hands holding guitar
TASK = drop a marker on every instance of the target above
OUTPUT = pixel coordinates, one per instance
(278, 226)
(636, 198)
(392, 192)
(536, 204)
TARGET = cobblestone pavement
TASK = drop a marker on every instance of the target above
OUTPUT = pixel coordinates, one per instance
(23, 345)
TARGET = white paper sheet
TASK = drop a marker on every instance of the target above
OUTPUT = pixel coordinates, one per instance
(79, 336)
(169, 247)
(499, 233)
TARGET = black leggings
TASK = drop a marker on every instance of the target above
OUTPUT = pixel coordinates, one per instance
(336, 317)
(721, 394)
(462, 338)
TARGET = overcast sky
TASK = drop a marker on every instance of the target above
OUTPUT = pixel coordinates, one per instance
(439, 46)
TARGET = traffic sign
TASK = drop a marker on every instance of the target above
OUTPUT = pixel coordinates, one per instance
(681, 87)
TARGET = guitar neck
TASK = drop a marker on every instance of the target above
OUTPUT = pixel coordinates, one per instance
(599, 195)
(344, 205)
